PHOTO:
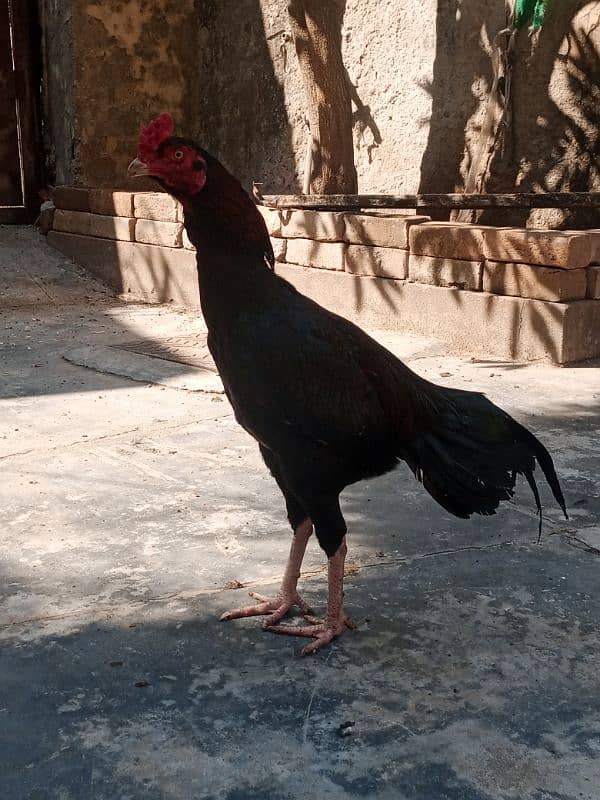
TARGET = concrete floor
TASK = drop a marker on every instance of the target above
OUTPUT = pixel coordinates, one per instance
(130, 507)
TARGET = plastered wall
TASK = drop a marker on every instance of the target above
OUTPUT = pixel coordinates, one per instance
(227, 71)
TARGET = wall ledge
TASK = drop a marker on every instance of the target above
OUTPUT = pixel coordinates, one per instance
(504, 292)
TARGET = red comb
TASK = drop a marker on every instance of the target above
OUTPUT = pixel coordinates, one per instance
(153, 135)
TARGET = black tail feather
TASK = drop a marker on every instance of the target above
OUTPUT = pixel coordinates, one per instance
(470, 455)
(536, 496)
(544, 459)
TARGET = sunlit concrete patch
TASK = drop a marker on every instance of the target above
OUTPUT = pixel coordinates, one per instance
(192, 350)
(146, 368)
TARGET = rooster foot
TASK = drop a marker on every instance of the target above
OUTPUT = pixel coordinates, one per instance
(322, 631)
(275, 607)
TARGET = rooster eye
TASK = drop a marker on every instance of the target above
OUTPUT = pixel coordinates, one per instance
(178, 154)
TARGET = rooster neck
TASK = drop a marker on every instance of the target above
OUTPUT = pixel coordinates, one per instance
(232, 243)
(224, 216)
(231, 283)
(231, 259)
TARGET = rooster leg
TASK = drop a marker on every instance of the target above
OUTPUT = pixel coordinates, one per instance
(287, 596)
(335, 621)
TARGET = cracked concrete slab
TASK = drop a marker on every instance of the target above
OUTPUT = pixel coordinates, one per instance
(144, 368)
(133, 510)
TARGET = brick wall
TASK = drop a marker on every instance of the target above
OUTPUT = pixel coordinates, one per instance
(137, 242)
(538, 264)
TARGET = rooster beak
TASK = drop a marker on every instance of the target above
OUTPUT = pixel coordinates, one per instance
(137, 169)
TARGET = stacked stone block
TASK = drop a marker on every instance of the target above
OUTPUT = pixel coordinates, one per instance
(534, 270)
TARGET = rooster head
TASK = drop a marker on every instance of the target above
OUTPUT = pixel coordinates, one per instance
(178, 165)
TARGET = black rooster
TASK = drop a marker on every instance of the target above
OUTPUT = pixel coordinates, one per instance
(327, 404)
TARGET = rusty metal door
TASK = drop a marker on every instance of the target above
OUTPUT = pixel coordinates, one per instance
(19, 148)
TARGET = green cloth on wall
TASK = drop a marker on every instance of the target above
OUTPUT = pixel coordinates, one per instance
(532, 11)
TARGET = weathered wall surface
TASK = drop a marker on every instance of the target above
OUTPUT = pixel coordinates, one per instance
(248, 114)
(555, 144)
(133, 59)
(129, 61)
(421, 70)
(56, 19)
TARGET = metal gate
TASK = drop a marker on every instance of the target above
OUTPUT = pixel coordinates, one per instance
(19, 142)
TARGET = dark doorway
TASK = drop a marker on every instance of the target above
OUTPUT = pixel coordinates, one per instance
(19, 140)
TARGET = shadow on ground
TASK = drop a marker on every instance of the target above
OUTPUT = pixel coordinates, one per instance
(475, 677)
(129, 508)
